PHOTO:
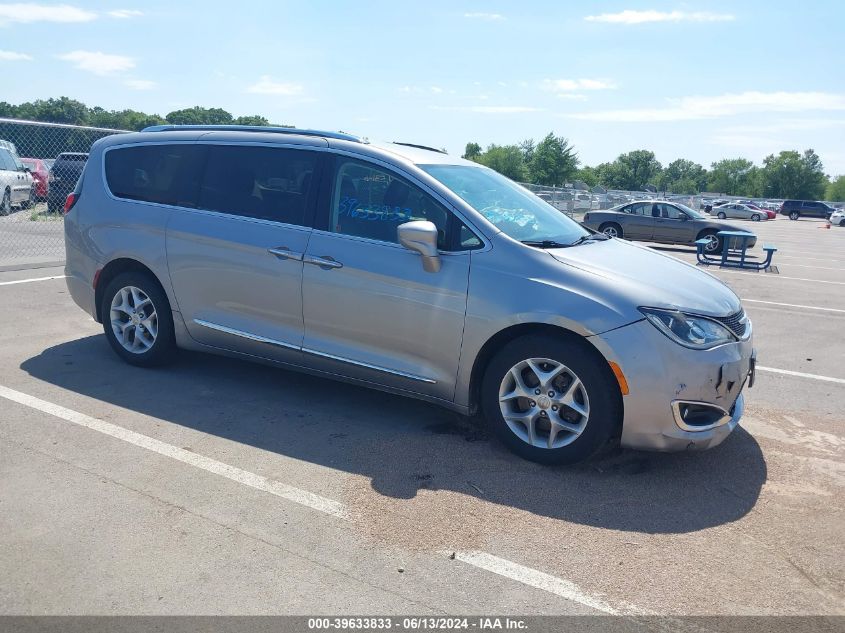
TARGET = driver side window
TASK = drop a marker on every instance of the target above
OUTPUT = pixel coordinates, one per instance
(371, 202)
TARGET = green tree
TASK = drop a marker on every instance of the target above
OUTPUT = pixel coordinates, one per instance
(683, 176)
(528, 146)
(588, 175)
(730, 176)
(253, 119)
(631, 171)
(835, 191)
(199, 116)
(472, 151)
(552, 161)
(793, 175)
(505, 159)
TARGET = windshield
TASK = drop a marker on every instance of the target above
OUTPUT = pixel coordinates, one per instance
(508, 206)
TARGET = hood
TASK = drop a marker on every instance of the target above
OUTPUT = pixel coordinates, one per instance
(649, 278)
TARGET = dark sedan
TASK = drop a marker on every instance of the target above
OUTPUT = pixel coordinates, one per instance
(659, 221)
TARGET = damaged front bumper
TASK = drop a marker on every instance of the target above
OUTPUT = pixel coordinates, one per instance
(679, 398)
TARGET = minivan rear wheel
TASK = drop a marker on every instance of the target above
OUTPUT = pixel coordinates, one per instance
(551, 399)
(137, 320)
(794, 215)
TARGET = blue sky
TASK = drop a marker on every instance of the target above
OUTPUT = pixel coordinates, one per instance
(699, 80)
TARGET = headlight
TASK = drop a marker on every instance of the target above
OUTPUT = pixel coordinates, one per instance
(689, 330)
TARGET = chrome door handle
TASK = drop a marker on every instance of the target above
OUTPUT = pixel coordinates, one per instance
(283, 252)
(323, 261)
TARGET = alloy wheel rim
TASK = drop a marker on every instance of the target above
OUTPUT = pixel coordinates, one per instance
(134, 320)
(544, 403)
(712, 243)
(611, 231)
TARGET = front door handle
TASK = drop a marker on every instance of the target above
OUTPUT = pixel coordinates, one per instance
(283, 252)
(323, 261)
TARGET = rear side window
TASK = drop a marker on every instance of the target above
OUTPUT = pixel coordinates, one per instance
(6, 161)
(268, 183)
(165, 174)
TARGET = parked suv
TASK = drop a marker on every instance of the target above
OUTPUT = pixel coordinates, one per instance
(798, 208)
(403, 269)
(16, 188)
(63, 176)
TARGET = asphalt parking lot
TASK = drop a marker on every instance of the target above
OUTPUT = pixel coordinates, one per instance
(218, 486)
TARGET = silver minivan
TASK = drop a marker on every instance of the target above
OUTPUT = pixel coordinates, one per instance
(397, 267)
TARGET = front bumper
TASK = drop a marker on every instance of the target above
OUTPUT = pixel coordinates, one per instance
(660, 372)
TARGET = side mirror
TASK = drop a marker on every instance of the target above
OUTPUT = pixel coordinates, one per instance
(684, 217)
(420, 236)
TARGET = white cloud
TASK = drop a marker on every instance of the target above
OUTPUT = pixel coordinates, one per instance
(98, 63)
(11, 56)
(490, 17)
(266, 86)
(140, 84)
(488, 109)
(27, 12)
(572, 96)
(436, 90)
(567, 85)
(693, 108)
(123, 14)
(641, 17)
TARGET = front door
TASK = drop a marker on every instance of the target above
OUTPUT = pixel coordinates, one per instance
(673, 225)
(371, 311)
(236, 260)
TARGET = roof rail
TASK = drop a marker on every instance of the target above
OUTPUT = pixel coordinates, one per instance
(431, 149)
(255, 128)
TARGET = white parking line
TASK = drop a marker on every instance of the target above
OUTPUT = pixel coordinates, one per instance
(801, 374)
(503, 567)
(792, 305)
(772, 276)
(244, 477)
(26, 281)
(535, 578)
(840, 269)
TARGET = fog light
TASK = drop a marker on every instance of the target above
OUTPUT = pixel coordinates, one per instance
(699, 416)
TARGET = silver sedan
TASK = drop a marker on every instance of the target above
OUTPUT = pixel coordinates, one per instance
(739, 211)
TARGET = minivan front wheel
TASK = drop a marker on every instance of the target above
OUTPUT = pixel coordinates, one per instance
(794, 215)
(551, 399)
(137, 320)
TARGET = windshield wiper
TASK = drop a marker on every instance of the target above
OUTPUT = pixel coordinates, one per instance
(592, 237)
(545, 244)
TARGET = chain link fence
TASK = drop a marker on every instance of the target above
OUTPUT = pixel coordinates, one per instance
(576, 202)
(39, 165)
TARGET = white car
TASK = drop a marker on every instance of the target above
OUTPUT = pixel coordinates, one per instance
(15, 183)
(739, 211)
(837, 218)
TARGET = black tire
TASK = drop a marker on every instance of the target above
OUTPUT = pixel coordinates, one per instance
(755, 217)
(613, 226)
(605, 400)
(841, 222)
(721, 215)
(794, 215)
(164, 348)
(6, 203)
(718, 247)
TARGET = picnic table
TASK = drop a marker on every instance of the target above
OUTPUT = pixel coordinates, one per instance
(734, 251)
